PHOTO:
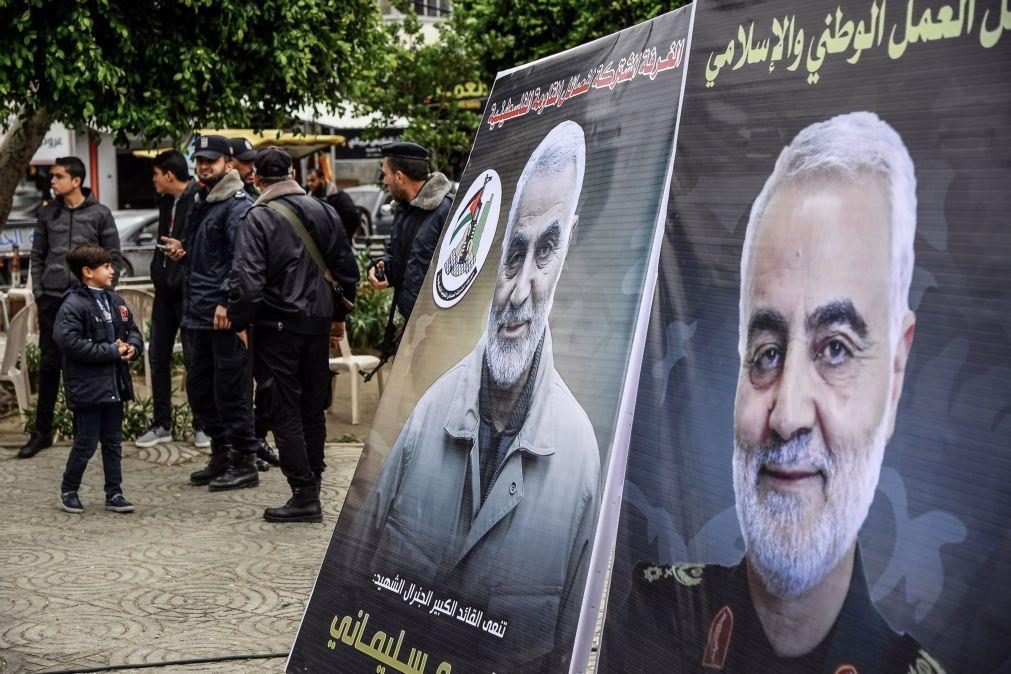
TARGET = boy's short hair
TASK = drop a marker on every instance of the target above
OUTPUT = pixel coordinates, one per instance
(73, 166)
(89, 255)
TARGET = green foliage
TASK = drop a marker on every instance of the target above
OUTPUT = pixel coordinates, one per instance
(33, 360)
(415, 80)
(366, 325)
(136, 419)
(346, 437)
(159, 69)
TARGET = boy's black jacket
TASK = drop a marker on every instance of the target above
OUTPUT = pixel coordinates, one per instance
(93, 372)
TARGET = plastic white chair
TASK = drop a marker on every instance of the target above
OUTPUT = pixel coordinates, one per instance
(141, 305)
(352, 364)
(14, 353)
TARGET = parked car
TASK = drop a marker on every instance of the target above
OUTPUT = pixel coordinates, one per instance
(138, 231)
(374, 205)
(18, 232)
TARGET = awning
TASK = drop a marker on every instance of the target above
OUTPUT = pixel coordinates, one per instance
(297, 145)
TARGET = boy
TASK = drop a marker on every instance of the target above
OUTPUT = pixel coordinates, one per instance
(98, 338)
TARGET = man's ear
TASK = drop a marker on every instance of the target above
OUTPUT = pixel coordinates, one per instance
(903, 345)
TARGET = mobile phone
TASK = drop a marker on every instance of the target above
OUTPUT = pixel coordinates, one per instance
(163, 246)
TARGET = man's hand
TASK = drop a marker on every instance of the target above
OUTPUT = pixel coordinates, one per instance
(175, 251)
(336, 333)
(221, 321)
(376, 283)
(243, 336)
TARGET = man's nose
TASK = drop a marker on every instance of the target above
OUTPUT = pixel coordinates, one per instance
(523, 283)
(793, 406)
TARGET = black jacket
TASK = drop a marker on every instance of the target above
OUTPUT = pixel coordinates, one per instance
(210, 243)
(423, 219)
(342, 202)
(93, 372)
(274, 278)
(167, 275)
(60, 230)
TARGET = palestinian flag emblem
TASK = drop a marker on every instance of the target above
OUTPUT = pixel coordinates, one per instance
(468, 239)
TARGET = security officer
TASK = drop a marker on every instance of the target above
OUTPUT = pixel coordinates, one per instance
(293, 279)
(243, 155)
(423, 203)
(217, 380)
(695, 618)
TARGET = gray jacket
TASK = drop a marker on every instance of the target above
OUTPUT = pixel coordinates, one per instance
(60, 230)
(523, 555)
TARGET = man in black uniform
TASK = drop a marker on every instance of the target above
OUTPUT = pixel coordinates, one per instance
(243, 155)
(217, 378)
(73, 218)
(423, 203)
(825, 335)
(340, 200)
(293, 280)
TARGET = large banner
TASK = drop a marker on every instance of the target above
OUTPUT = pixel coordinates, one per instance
(818, 477)
(467, 537)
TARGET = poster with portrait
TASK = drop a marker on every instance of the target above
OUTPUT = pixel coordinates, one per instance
(469, 532)
(818, 472)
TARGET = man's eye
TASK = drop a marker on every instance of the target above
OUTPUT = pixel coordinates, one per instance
(766, 364)
(834, 352)
(544, 251)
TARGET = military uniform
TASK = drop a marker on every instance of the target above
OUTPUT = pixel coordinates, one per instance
(691, 617)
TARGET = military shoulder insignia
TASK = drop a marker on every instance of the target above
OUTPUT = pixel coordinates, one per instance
(685, 574)
(124, 313)
(925, 664)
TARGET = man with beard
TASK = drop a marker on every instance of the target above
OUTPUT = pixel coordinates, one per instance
(491, 491)
(825, 335)
(338, 199)
(243, 155)
(217, 376)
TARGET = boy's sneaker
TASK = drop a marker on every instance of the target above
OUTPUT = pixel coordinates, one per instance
(201, 440)
(71, 503)
(118, 504)
(154, 436)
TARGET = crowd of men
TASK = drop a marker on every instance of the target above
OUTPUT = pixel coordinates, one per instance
(258, 276)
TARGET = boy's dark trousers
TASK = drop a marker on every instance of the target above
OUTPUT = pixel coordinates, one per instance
(103, 423)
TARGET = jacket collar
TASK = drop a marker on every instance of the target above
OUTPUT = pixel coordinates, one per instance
(463, 417)
(432, 192)
(277, 190)
(89, 200)
(226, 188)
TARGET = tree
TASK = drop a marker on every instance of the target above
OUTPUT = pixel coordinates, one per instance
(415, 79)
(158, 69)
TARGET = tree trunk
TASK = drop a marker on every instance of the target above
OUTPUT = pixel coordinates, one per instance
(16, 150)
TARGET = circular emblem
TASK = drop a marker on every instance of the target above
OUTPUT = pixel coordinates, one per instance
(468, 239)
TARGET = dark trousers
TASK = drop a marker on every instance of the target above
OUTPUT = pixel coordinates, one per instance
(166, 316)
(218, 387)
(295, 369)
(104, 424)
(49, 364)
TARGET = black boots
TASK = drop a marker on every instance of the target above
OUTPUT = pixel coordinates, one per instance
(215, 467)
(267, 454)
(303, 506)
(35, 444)
(241, 473)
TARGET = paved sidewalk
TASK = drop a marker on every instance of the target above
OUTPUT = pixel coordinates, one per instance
(190, 574)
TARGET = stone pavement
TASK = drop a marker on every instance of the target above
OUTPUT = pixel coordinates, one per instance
(190, 574)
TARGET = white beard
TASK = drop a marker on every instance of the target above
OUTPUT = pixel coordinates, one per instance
(789, 555)
(509, 359)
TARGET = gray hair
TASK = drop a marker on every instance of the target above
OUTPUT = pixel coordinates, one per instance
(845, 146)
(563, 146)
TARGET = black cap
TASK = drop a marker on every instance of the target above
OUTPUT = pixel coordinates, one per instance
(212, 147)
(242, 149)
(272, 162)
(404, 151)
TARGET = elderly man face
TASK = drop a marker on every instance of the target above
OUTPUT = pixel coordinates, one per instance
(534, 252)
(820, 375)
